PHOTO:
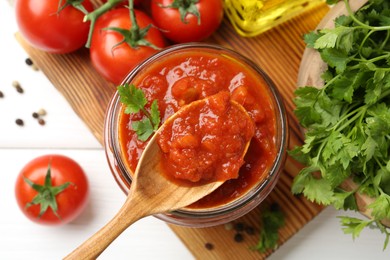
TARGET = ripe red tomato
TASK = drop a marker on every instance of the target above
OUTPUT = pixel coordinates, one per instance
(34, 187)
(114, 61)
(48, 30)
(191, 30)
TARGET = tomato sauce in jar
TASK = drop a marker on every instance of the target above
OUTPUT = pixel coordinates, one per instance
(184, 77)
(205, 142)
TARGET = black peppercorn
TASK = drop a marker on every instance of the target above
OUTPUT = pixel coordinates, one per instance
(35, 115)
(209, 246)
(250, 230)
(41, 121)
(1, 94)
(239, 227)
(29, 62)
(274, 207)
(19, 122)
(238, 237)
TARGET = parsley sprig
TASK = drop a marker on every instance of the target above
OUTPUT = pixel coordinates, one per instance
(347, 121)
(272, 219)
(135, 101)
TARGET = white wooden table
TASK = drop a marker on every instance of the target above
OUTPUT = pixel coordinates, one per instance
(66, 134)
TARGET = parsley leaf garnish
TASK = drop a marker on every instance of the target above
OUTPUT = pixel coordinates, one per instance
(135, 101)
(272, 220)
(347, 121)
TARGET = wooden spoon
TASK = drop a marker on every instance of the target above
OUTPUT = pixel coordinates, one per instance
(150, 193)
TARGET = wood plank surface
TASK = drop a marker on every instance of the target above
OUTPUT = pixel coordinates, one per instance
(278, 52)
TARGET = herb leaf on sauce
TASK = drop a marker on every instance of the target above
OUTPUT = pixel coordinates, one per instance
(135, 101)
(347, 121)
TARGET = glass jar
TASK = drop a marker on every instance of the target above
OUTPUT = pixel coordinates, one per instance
(208, 216)
(252, 17)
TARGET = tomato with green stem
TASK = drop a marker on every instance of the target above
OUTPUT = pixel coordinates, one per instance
(187, 20)
(93, 16)
(52, 189)
(54, 26)
(123, 38)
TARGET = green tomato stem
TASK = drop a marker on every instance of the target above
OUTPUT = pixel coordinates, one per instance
(46, 197)
(93, 16)
(134, 36)
(185, 7)
(135, 31)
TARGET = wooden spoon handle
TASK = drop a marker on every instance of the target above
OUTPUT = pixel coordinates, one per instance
(130, 212)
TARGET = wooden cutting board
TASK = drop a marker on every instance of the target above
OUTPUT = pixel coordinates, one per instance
(278, 52)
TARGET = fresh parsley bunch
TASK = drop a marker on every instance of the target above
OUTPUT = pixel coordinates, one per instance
(347, 121)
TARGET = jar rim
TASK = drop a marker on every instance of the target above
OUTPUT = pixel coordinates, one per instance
(215, 215)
